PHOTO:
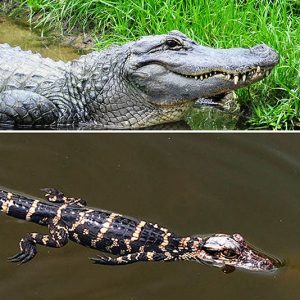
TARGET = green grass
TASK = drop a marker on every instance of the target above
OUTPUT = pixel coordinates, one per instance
(273, 103)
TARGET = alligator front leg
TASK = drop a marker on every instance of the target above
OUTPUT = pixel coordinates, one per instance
(57, 238)
(131, 258)
(18, 107)
(54, 195)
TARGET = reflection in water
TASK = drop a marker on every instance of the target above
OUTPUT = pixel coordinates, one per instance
(191, 184)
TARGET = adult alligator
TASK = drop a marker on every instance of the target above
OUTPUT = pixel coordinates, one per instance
(130, 239)
(154, 80)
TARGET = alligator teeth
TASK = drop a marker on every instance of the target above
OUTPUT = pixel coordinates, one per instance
(257, 72)
(236, 79)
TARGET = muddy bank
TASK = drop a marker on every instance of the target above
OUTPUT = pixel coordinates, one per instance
(16, 34)
(19, 20)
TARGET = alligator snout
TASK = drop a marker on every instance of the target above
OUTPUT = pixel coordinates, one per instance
(265, 51)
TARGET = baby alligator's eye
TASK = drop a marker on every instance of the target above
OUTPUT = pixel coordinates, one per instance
(171, 43)
(228, 253)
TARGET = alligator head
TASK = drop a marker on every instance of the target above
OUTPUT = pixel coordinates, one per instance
(232, 251)
(171, 72)
(172, 68)
(158, 78)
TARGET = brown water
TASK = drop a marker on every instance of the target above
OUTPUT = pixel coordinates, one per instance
(190, 183)
(19, 35)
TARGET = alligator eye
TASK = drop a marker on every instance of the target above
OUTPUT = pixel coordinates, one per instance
(228, 253)
(171, 43)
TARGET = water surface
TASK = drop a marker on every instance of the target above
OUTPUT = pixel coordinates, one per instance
(189, 183)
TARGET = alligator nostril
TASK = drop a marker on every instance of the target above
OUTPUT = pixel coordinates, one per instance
(264, 51)
(261, 49)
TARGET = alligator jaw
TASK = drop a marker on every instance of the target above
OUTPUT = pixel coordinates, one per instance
(244, 77)
(218, 101)
(237, 80)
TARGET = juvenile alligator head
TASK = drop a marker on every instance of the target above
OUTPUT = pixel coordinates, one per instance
(171, 72)
(232, 251)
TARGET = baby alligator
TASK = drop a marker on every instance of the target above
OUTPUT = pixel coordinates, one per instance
(131, 240)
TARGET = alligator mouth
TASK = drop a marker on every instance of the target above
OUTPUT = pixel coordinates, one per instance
(234, 77)
(243, 78)
(225, 102)
(271, 262)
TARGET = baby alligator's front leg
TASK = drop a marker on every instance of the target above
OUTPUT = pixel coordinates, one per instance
(57, 238)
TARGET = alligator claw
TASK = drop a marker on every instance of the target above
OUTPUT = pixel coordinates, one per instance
(96, 259)
(18, 258)
(15, 257)
(23, 257)
(27, 257)
(53, 195)
(51, 191)
(100, 259)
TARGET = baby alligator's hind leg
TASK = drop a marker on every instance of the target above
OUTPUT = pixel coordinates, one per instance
(131, 258)
(57, 238)
(18, 107)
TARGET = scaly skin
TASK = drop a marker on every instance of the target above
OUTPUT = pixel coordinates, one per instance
(130, 239)
(154, 80)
